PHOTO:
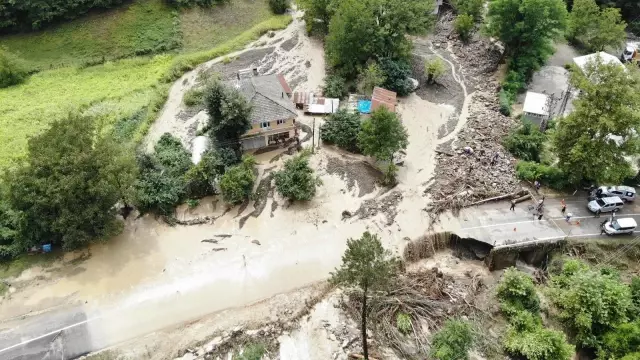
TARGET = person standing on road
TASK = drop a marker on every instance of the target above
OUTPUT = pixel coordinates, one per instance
(513, 205)
(536, 185)
(564, 207)
(602, 232)
(568, 217)
(597, 213)
(540, 216)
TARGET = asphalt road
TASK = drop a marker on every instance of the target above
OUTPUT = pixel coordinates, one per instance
(495, 224)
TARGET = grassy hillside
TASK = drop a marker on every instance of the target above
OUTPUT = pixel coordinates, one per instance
(126, 93)
(138, 28)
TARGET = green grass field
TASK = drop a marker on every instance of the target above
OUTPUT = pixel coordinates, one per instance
(125, 93)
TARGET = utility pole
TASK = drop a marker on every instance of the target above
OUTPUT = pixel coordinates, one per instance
(313, 136)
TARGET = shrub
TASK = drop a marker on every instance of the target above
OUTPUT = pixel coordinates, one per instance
(516, 293)
(237, 182)
(403, 323)
(342, 128)
(200, 179)
(193, 97)
(526, 142)
(464, 25)
(297, 180)
(192, 3)
(538, 344)
(279, 6)
(369, 78)
(546, 174)
(453, 341)
(590, 303)
(397, 73)
(505, 103)
(334, 87)
(251, 352)
(12, 70)
(192, 203)
(513, 83)
(434, 68)
(621, 341)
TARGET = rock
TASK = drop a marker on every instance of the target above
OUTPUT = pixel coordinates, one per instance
(346, 214)
(238, 330)
(256, 242)
(332, 337)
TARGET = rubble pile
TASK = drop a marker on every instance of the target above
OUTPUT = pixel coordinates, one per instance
(386, 205)
(475, 166)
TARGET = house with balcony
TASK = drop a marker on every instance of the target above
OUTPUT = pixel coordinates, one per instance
(273, 117)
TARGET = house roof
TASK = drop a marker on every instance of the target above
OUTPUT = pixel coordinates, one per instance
(383, 97)
(268, 96)
(536, 103)
(582, 61)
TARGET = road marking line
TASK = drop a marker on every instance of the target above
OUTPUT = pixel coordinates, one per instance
(558, 227)
(50, 333)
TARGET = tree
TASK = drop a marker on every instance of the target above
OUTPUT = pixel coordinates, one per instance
(279, 6)
(595, 27)
(382, 135)
(317, 14)
(362, 30)
(464, 25)
(592, 142)
(453, 341)
(9, 221)
(297, 180)
(229, 114)
(12, 69)
(622, 341)
(538, 343)
(122, 170)
(64, 191)
(368, 266)
(516, 293)
(236, 184)
(469, 7)
(334, 86)
(397, 73)
(200, 179)
(589, 302)
(369, 78)
(434, 68)
(342, 128)
(525, 142)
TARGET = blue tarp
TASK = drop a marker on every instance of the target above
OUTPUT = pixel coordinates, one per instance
(364, 106)
(46, 248)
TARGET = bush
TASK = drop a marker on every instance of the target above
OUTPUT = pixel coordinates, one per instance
(434, 68)
(589, 302)
(526, 142)
(192, 3)
(505, 103)
(334, 87)
(546, 174)
(236, 184)
(516, 293)
(251, 352)
(397, 74)
(341, 129)
(403, 323)
(538, 344)
(513, 83)
(193, 97)
(452, 342)
(297, 180)
(279, 6)
(621, 341)
(12, 70)
(464, 26)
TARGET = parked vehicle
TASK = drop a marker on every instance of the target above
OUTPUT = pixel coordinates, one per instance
(620, 226)
(630, 54)
(626, 193)
(606, 204)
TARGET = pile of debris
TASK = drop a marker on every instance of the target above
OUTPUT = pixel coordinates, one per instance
(475, 166)
(428, 298)
(387, 204)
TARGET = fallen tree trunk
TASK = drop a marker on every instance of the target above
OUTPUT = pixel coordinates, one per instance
(358, 356)
(523, 196)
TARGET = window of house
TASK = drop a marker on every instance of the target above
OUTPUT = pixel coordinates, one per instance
(280, 122)
(264, 124)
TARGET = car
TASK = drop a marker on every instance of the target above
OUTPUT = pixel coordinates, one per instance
(606, 204)
(620, 226)
(626, 193)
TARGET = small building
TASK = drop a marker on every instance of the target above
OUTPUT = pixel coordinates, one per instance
(383, 97)
(312, 104)
(582, 61)
(273, 115)
(535, 107)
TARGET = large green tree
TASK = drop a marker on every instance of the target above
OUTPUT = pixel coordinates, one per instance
(297, 180)
(317, 14)
(382, 135)
(367, 266)
(593, 142)
(229, 114)
(361, 30)
(595, 27)
(341, 129)
(237, 182)
(66, 188)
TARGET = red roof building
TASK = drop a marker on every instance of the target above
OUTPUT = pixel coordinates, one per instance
(383, 97)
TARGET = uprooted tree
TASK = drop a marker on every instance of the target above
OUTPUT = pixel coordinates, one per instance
(367, 266)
